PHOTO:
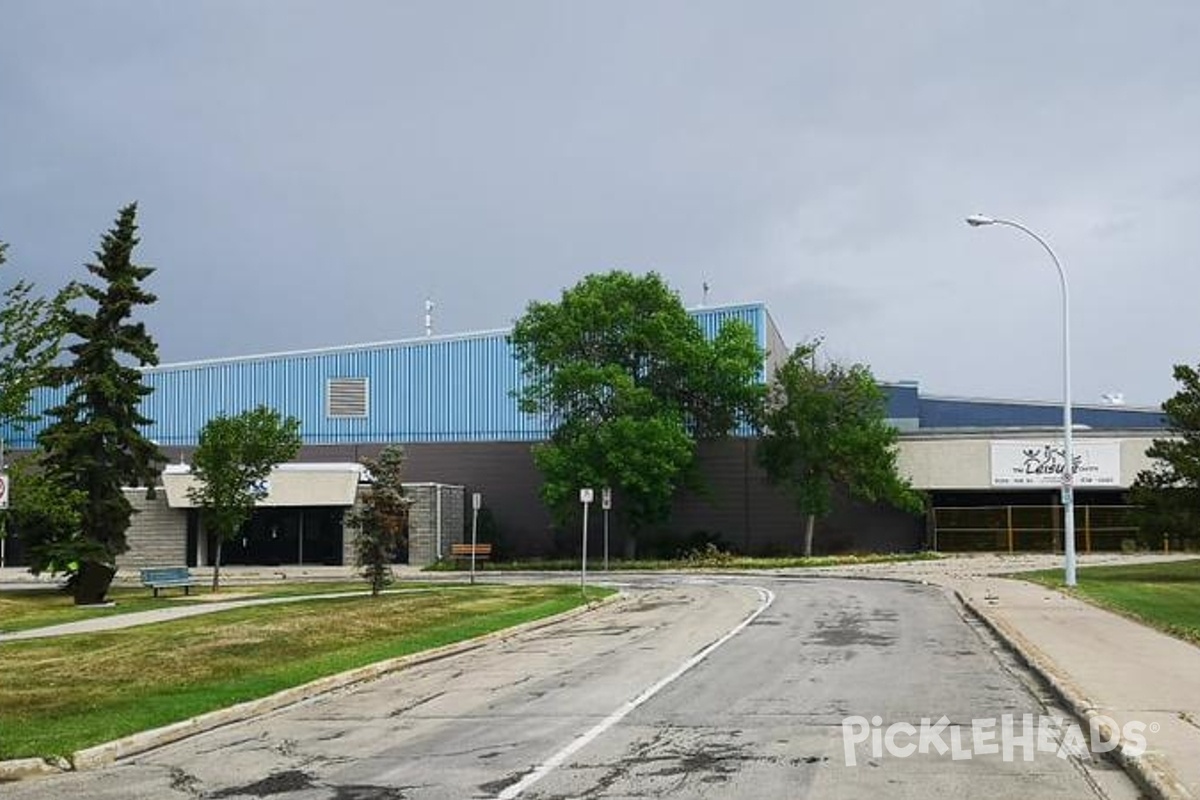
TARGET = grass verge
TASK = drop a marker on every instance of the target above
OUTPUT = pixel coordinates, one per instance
(63, 694)
(702, 560)
(22, 609)
(1165, 596)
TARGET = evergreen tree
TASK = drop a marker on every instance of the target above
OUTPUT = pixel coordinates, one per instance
(94, 444)
(1168, 494)
(379, 521)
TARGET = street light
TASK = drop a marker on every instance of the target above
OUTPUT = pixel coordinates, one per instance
(1068, 479)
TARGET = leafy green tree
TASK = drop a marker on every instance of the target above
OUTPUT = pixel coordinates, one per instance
(233, 459)
(94, 444)
(49, 516)
(629, 383)
(826, 427)
(1168, 493)
(31, 333)
(379, 521)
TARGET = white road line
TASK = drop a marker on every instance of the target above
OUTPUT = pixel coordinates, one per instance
(766, 596)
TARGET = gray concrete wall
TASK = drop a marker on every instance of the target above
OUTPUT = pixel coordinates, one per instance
(349, 532)
(423, 521)
(425, 517)
(157, 534)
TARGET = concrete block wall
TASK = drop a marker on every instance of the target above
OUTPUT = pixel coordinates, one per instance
(157, 534)
(350, 531)
(423, 523)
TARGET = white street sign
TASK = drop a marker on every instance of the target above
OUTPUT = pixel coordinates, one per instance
(606, 498)
(586, 495)
(476, 500)
(3, 490)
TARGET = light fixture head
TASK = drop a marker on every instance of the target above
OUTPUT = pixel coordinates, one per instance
(975, 220)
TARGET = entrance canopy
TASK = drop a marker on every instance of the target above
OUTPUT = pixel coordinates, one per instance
(288, 485)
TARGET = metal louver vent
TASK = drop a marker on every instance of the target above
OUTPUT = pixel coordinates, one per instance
(346, 397)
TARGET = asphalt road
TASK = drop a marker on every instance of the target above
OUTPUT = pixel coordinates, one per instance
(690, 688)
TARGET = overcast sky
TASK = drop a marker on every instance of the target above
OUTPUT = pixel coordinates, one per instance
(308, 173)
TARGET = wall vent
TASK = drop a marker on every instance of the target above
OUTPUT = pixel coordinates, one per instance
(346, 397)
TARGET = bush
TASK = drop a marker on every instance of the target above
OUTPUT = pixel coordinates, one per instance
(708, 555)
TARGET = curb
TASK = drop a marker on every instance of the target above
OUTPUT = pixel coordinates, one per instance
(1155, 778)
(103, 754)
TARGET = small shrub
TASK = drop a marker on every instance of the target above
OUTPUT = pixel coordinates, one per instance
(708, 555)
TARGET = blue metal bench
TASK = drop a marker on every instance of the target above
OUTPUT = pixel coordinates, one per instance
(168, 577)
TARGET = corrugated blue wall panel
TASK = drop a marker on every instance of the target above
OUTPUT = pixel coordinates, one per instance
(444, 389)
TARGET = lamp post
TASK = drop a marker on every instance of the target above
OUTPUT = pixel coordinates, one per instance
(1068, 478)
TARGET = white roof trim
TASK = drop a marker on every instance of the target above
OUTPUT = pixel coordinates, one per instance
(408, 342)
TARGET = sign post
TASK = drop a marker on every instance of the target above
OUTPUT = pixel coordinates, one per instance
(3, 505)
(585, 496)
(606, 504)
(476, 504)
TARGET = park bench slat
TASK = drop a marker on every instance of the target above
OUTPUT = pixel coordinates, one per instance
(465, 550)
(168, 577)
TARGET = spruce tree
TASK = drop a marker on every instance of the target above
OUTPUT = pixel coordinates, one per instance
(94, 444)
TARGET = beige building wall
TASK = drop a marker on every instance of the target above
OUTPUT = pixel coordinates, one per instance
(964, 462)
(945, 463)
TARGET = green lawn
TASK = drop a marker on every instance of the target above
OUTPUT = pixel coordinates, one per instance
(63, 694)
(1166, 596)
(21, 609)
(703, 561)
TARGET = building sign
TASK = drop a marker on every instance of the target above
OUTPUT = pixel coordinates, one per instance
(1097, 463)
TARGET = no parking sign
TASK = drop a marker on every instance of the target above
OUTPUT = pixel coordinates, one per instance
(3, 490)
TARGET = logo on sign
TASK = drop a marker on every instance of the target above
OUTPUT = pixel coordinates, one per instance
(1094, 463)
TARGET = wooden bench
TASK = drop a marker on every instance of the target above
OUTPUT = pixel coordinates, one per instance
(461, 552)
(168, 577)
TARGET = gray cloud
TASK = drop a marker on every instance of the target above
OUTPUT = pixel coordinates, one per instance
(309, 172)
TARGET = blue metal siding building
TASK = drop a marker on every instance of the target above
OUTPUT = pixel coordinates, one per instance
(435, 389)
(451, 401)
(909, 410)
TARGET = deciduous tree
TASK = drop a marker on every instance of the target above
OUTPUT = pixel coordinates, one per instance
(233, 459)
(628, 382)
(49, 516)
(825, 427)
(31, 333)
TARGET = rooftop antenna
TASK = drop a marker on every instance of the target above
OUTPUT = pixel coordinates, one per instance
(428, 317)
(704, 297)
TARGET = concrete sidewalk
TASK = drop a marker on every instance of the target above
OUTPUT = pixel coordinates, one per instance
(1099, 662)
(1105, 664)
